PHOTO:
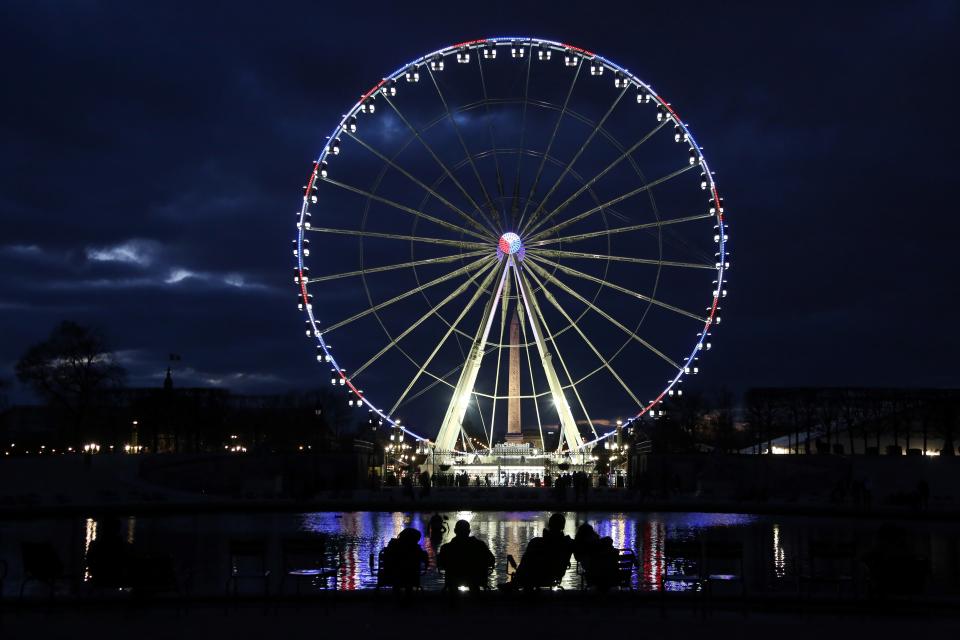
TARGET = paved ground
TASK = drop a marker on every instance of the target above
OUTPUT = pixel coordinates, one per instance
(544, 615)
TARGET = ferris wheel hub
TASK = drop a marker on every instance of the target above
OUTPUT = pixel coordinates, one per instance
(510, 243)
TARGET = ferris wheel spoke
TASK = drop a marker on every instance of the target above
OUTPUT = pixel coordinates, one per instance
(633, 294)
(434, 310)
(436, 158)
(551, 278)
(610, 203)
(492, 211)
(586, 185)
(402, 265)
(553, 137)
(526, 346)
(606, 232)
(583, 147)
(442, 379)
(523, 136)
(557, 253)
(433, 192)
(477, 264)
(473, 300)
(605, 364)
(401, 207)
(556, 348)
(463, 244)
(493, 142)
(436, 380)
(569, 431)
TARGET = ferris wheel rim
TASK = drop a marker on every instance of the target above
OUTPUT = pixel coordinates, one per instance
(631, 80)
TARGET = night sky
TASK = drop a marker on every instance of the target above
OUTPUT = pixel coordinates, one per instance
(154, 154)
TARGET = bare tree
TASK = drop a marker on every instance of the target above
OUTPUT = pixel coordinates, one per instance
(762, 415)
(724, 432)
(948, 414)
(72, 369)
(828, 413)
(851, 415)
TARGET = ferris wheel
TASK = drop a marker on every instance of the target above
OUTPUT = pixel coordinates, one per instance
(510, 238)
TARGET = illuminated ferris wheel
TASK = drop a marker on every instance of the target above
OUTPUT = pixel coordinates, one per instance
(510, 238)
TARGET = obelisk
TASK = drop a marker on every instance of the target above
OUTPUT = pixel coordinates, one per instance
(514, 432)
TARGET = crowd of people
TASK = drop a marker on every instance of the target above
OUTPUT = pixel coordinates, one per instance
(575, 484)
(466, 562)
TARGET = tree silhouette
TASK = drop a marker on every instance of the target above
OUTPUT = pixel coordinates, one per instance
(72, 369)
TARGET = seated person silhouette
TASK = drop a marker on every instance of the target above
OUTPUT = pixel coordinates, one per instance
(465, 559)
(109, 556)
(546, 559)
(402, 561)
(599, 560)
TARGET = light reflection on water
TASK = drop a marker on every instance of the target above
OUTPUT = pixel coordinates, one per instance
(90, 534)
(774, 548)
(779, 557)
(356, 539)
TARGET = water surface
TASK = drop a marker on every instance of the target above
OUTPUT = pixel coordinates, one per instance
(774, 547)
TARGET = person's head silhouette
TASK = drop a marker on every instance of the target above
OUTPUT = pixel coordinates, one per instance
(409, 536)
(462, 528)
(556, 523)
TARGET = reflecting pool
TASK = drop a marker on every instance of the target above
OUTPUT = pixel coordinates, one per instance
(774, 548)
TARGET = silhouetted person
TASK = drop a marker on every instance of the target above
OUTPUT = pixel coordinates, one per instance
(436, 527)
(425, 483)
(546, 558)
(465, 560)
(408, 486)
(584, 542)
(560, 488)
(403, 559)
(109, 556)
(598, 559)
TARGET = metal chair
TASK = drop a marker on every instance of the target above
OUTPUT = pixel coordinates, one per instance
(830, 563)
(305, 559)
(688, 554)
(552, 582)
(627, 563)
(248, 561)
(388, 576)
(41, 563)
(484, 585)
(723, 565)
(153, 574)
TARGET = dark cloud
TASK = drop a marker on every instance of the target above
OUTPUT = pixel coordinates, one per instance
(152, 156)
